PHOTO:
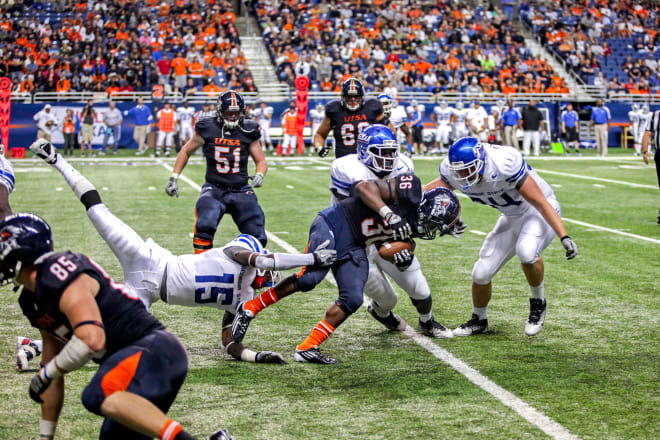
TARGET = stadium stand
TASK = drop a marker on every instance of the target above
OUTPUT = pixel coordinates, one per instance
(122, 46)
(614, 45)
(432, 47)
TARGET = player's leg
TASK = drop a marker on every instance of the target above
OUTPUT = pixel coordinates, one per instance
(497, 249)
(536, 136)
(209, 210)
(303, 281)
(247, 213)
(527, 140)
(159, 142)
(656, 159)
(383, 296)
(169, 140)
(414, 283)
(535, 235)
(351, 275)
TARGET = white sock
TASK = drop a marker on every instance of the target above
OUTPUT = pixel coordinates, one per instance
(78, 183)
(481, 312)
(537, 292)
(426, 317)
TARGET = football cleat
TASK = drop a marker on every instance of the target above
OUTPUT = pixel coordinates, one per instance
(536, 317)
(391, 321)
(434, 329)
(241, 323)
(26, 350)
(220, 434)
(474, 326)
(313, 356)
(44, 150)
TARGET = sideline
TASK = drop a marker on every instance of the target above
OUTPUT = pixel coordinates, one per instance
(599, 179)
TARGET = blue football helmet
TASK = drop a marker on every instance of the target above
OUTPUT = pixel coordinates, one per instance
(264, 278)
(23, 239)
(635, 107)
(439, 211)
(378, 148)
(467, 157)
(230, 109)
(352, 94)
(388, 104)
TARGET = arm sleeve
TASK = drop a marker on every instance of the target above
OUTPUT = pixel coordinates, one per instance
(339, 180)
(514, 169)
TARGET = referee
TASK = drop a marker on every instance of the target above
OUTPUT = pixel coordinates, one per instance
(652, 129)
(569, 121)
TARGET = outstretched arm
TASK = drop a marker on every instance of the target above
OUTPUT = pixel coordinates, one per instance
(321, 256)
(376, 194)
(239, 351)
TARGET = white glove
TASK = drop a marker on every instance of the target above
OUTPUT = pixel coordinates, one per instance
(323, 256)
(172, 187)
(570, 246)
(257, 180)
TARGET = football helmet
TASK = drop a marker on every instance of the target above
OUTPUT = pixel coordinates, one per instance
(645, 108)
(264, 278)
(378, 148)
(388, 104)
(230, 109)
(443, 103)
(459, 105)
(352, 94)
(439, 210)
(467, 157)
(635, 107)
(23, 239)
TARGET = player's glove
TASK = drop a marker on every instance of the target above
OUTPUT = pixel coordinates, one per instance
(403, 259)
(400, 227)
(257, 180)
(454, 230)
(323, 256)
(172, 187)
(570, 246)
(269, 357)
(38, 384)
(323, 151)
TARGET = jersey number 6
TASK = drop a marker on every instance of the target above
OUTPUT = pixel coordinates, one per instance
(348, 133)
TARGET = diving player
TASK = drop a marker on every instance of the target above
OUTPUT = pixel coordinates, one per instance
(390, 209)
(346, 118)
(497, 176)
(221, 278)
(378, 158)
(83, 314)
(226, 140)
(442, 115)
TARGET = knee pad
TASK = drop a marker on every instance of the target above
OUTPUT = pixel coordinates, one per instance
(527, 252)
(481, 273)
(379, 288)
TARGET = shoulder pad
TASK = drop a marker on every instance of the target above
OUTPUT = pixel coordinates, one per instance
(251, 128)
(509, 163)
(205, 124)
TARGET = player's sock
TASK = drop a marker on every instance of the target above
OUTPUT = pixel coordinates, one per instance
(537, 292)
(424, 307)
(321, 332)
(77, 182)
(256, 305)
(173, 431)
(481, 312)
(202, 245)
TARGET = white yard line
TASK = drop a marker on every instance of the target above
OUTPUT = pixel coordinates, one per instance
(529, 413)
(598, 179)
(477, 232)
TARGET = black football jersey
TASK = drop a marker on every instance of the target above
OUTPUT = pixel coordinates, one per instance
(124, 317)
(369, 227)
(227, 150)
(346, 125)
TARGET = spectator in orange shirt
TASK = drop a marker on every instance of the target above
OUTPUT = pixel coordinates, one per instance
(179, 64)
(195, 70)
(63, 85)
(326, 85)
(211, 89)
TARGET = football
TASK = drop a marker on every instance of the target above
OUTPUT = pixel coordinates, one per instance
(389, 248)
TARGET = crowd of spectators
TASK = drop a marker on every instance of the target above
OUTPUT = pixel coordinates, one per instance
(402, 45)
(612, 44)
(122, 46)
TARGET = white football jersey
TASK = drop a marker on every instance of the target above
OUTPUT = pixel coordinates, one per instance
(265, 114)
(398, 117)
(635, 117)
(211, 279)
(317, 116)
(477, 116)
(504, 171)
(349, 169)
(461, 115)
(443, 115)
(185, 115)
(6, 174)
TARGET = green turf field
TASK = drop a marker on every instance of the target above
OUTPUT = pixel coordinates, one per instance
(592, 373)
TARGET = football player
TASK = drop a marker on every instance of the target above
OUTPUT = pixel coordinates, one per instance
(393, 209)
(184, 119)
(458, 121)
(636, 129)
(226, 140)
(265, 113)
(83, 314)
(497, 176)
(346, 118)
(378, 158)
(220, 278)
(416, 116)
(316, 115)
(395, 117)
(442, 115)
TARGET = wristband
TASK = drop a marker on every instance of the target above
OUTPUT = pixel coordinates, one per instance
(175, 176)
(384, 211)
(248, 355)
(50, 371)
(47, 428)
(565, 236)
